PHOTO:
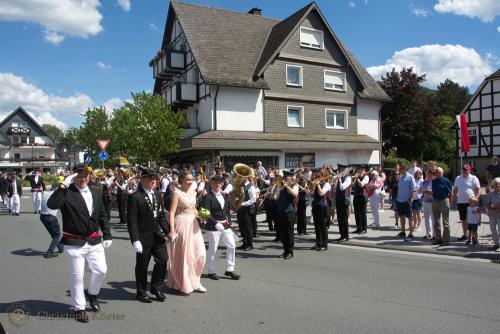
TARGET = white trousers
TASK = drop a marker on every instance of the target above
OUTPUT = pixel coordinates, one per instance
(77, 257)
(495, 226)
(429, 228)
(213, 242)
(15, 204)
(37, 200)
(375, 208)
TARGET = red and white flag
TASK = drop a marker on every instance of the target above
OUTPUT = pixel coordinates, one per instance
(464, 133)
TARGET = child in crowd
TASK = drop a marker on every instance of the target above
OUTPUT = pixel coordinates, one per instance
(473, 220)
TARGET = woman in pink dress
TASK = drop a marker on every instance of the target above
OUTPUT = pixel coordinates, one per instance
(187, 252)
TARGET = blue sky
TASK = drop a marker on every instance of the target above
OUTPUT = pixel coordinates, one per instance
(57, 59)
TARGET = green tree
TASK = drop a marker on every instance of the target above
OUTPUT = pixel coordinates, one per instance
(96, 126)
(408, 121)
(450, 98)
(441, 145)
(54, 132)
(145, 129)
(70, 138)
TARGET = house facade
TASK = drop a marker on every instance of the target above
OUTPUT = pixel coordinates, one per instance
(287, 93)
(25, 145)
(482, 113)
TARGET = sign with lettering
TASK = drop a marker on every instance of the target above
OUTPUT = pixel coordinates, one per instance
(299, 160)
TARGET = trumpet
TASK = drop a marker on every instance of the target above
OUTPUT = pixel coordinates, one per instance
(100, 173)
(312, 183)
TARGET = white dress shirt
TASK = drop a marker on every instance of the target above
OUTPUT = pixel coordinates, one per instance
(87, 196)
(251, 194)
(346, 183)
(220, 198)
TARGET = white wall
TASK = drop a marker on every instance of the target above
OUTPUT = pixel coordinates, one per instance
(205, 111)
(368, 118)
(240, 109)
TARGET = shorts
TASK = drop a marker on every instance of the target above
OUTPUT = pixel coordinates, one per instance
(404, 209)
(416, 205)
(472, 227)
(462, 210)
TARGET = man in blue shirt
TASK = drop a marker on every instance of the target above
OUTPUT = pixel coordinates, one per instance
(441, 193)
(406, 191)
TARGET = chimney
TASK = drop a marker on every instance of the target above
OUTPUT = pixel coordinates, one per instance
(255, 11)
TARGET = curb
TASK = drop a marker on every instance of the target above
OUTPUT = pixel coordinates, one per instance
(413, 249)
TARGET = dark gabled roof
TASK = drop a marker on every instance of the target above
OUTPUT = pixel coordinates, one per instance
(494, 75)
(35, 123)
(225, 44)
(278, 36)
(234, 49)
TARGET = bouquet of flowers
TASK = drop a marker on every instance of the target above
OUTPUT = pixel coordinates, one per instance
(204, 214)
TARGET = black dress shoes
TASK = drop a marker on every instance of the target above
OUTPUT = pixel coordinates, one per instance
(321, 249)
(232, 274)
(337, 240)
(315, 247)
(248, 248)
(242, 247)
(81, 316)
(343, 239)
(213, 276)
(276, 240)
(94, 304)
(288, 256)
(143, 297)
(159, 295)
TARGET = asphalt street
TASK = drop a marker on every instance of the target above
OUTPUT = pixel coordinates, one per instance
(343, 290)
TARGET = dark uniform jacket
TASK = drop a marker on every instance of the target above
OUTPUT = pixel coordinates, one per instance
(76, 218)
(217, 213)
(10, 188)
(35, 186)
(142, 225)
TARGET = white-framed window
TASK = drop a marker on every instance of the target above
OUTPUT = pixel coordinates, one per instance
(473, 138)
(336, 119)
(295, 116)
(311, 38)
(335, 80)
(294, 75)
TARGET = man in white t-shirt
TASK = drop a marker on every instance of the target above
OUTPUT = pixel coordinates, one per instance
(464, 182)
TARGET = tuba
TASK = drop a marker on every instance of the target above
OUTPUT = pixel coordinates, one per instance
(241, 172)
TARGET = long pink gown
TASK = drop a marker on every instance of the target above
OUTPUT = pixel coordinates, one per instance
(187, 253)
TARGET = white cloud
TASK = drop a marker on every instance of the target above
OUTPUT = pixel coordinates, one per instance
(46, 108)
(352, 4)
(103, 66)
(439, 62)
(498, 28)
(124, 4)
(420, 12)
(53, 37)
(77, 18)
(112, 104)
(153, 26)
(486, 10)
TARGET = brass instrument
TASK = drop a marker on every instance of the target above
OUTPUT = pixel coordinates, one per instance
(312, 183)
(100, 173)
(236, 196)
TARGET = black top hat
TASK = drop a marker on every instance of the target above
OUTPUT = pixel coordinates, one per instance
(147, 172)
(339, 166)
(79, 168)
(287, 173)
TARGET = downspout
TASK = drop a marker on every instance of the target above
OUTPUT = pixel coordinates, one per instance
(215, 108)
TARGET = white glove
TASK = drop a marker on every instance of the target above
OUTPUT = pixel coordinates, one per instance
(219, 227)
(137, 246)
(69, 179)
(107, 243)
(174, 237)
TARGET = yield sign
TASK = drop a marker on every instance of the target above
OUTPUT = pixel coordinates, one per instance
(103, 143)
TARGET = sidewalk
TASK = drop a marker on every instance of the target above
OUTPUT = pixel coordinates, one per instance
(386, 236)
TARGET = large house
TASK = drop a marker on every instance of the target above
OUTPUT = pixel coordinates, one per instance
(482, 113)
(25, 145)
(288, 93)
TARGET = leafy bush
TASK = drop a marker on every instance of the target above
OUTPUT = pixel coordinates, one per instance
(47, 179)
(392, 161)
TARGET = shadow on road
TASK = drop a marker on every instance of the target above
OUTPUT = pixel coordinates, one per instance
(27, 252)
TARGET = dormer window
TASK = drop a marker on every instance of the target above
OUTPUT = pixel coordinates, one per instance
(311, 38)
(335, 80)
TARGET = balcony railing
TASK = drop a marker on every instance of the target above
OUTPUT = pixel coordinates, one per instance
(181, 94)
(26, 159)
(168, 63)
(37, 145)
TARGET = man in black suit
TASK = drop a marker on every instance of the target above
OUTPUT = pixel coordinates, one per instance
(14, 192)
(219, 226)
(83, 214)
(37, 187)
(148, 227)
